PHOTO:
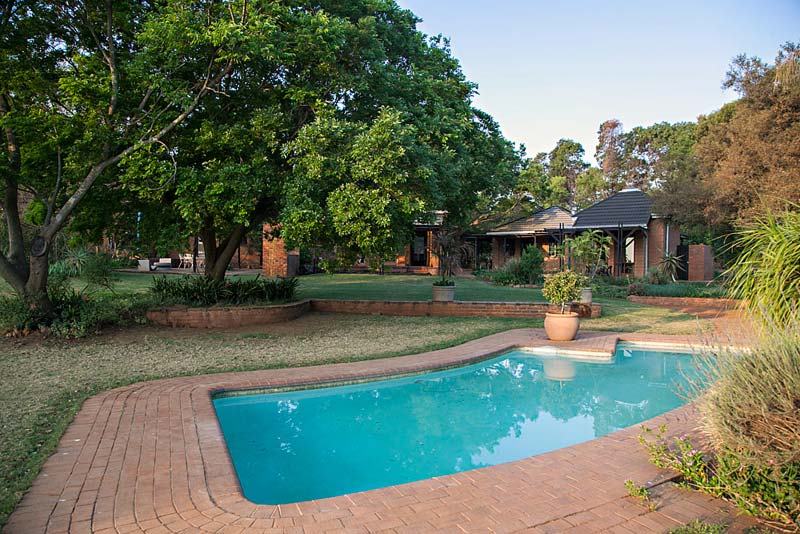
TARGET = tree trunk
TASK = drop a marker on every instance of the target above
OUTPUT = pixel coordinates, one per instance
(35, 294)
(219, 257)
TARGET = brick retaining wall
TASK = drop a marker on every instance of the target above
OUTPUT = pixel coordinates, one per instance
(234, 316)
(226, 316)
(720, 304)
(443, 309)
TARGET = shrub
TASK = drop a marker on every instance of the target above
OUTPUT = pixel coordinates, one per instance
(527, 269)
(637, 288)
(504, 276)
(74, 314)
(685, 289)
(563, 287)
(98, 270)
(530, 266)
(613, 292)
(656, 276)
(766, 273)
(203, 291)
(751, 416)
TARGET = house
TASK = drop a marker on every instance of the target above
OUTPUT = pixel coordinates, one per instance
(546, 229)
(640, 238)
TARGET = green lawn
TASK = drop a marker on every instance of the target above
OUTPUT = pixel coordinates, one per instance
(405, 287)
(44, 382)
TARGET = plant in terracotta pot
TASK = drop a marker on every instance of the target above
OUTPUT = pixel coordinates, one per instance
(590, 249)
(450, 250)
(561, 288)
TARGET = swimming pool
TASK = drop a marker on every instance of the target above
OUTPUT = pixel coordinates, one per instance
(302, 445)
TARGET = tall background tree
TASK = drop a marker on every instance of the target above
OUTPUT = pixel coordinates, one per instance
(749, 155)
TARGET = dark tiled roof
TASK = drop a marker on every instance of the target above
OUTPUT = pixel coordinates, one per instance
(539, 222)
(629, 207)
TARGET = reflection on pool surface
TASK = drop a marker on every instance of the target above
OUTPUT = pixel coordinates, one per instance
(302, 445)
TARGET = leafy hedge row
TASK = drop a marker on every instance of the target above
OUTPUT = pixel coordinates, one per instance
(202, 291)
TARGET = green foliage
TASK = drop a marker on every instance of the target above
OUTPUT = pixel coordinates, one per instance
(96, 268)
(610, 291)
(205, 291)
(637, 288)
(98, 271)
(770, 493)
(700, 527)
(590, 248)
(525, 270)
(451, 250)
(640, 492)
(78, 97)
(562, 287)
(766, 273)
(445, 283)
(74, 314)
(656, 276)
(686, 289)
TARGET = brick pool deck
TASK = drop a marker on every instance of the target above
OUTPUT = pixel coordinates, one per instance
(150, 457)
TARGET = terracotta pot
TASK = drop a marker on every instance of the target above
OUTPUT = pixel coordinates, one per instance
(444, 293)
(561, 327)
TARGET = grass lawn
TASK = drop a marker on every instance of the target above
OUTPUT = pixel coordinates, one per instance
(405, 287)
(44, 382)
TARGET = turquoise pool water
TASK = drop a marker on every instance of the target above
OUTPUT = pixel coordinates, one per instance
(301, 445)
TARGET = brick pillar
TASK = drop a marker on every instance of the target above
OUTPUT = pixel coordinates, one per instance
(638, 254)
(275, 258)
(497, 253)
(701, 263)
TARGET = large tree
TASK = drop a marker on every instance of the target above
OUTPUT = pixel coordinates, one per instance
(85, 84)
(649, 152)
(356, 126)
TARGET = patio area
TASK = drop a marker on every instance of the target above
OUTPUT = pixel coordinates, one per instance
(150, 457)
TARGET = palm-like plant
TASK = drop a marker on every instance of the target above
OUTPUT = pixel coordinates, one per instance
(451, 250)
(670, 264)
(766, 273)
(590, 248)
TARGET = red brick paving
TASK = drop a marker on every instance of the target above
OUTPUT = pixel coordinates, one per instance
(151, 458)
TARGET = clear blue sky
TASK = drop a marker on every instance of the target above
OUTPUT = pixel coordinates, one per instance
(553, 69)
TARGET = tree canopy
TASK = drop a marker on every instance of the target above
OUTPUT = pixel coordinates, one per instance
(210, 109)
(84, 85)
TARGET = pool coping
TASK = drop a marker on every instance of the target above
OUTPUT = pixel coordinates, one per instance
(151, 457)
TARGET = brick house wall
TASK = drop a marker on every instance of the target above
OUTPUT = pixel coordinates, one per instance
(663, 237)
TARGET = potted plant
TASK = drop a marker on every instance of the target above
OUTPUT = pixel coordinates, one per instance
(561, 288)
(451, 251)
(590, 249)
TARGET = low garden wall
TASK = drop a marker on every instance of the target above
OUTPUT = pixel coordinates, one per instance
(234, 316)
(672, 302)
(226, 316)
(455, 309)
